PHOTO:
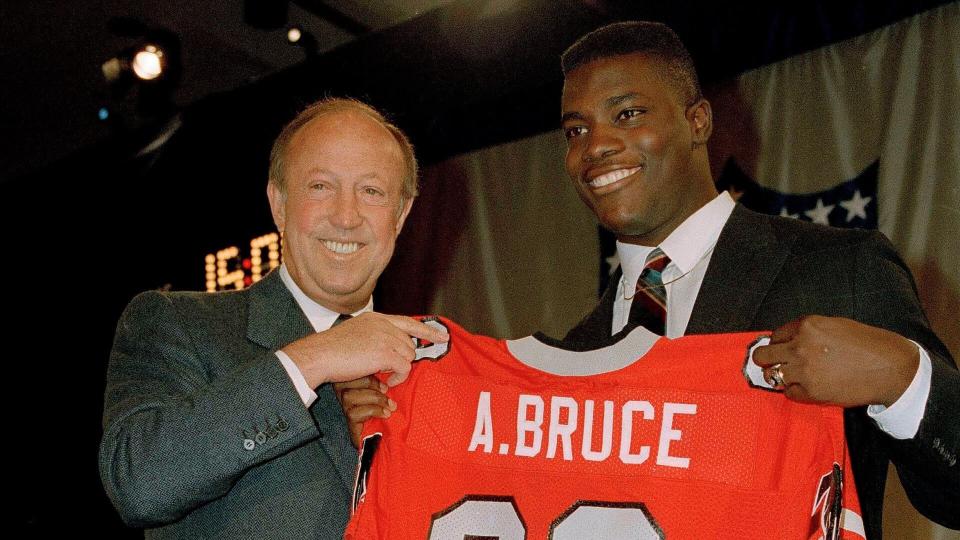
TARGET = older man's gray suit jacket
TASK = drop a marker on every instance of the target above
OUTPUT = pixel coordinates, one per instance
(766, 271)
(205, 435)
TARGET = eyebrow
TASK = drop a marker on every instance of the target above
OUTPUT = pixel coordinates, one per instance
(570, 116)
(320, 171)
(611, 101)
(616, 100)
(327, 172)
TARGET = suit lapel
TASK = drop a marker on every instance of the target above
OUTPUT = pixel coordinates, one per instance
(598, 323)
(746, 261)
(274, 321)
(334, 435)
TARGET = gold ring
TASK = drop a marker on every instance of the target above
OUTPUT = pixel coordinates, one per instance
(776, 377)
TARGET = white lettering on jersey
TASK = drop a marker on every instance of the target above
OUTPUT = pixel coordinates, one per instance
(525, 425)
(586, 449)
(483, 428)
(565, 423)
(626, 431)
(561, 431)
(667, 434)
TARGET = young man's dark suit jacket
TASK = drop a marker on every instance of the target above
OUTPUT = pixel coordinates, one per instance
(766, 271)
(191, 377)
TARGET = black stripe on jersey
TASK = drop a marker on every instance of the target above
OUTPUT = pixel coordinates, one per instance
(367, 450)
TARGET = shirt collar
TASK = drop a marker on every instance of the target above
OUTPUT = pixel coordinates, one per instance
(687, 244)
(320, 317)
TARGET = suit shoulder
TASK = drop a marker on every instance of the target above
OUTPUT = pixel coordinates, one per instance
(806, 237)
(190, 306)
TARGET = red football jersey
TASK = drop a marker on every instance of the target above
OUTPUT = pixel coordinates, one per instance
(646, 438)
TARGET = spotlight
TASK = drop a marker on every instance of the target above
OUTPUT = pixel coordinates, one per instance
(149, 62)
(153, 58)
(294, 34)
(298, 37)
(143, 77)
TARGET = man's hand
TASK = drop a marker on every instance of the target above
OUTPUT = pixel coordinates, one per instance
(366, 344)
(839, 361)
(363, 399)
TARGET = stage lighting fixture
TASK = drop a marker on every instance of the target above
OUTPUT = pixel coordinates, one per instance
(294, 34)
(142, 79)
(149, 62)
(298, 37)
(154, 58)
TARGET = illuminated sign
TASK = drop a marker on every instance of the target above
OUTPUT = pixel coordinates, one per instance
(226, 270)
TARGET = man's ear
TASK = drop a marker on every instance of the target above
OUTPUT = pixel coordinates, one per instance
(405, 207)
(278, 201)
(700, 117)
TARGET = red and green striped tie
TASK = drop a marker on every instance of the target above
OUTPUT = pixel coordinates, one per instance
(649, 306)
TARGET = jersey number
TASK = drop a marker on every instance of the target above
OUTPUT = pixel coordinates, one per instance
(497, 518)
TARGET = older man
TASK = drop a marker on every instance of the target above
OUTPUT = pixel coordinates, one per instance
(219, 417)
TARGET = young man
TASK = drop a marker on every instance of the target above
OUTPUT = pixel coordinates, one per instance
(842, 304)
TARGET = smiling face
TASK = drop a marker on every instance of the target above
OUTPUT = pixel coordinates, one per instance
(342, 208)
(635, 152)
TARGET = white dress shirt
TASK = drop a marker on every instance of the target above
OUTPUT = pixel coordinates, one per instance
(320, 319)
(690, 247)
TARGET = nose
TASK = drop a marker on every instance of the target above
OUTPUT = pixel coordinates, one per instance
(345, 213)
(602, 142)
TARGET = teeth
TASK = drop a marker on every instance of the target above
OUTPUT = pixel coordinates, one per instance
(611, 177)
(341, 247)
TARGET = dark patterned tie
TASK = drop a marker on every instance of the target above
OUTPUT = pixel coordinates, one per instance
(649, 307)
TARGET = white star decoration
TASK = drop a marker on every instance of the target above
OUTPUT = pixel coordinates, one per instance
(820, 212)
(856, 207)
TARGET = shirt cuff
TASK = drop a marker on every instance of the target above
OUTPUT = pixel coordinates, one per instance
(307, 395)
(901, 420)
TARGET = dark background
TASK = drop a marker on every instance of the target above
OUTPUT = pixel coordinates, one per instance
(88, 224)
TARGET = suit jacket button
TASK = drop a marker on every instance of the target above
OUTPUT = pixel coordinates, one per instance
(248, 444)
(282, 425)
(261, 437)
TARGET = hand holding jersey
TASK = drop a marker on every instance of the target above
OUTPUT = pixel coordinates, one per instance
(368, 343)
(840, 361)
(361, 400)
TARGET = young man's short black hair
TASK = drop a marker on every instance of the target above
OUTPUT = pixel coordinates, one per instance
(655, 39)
